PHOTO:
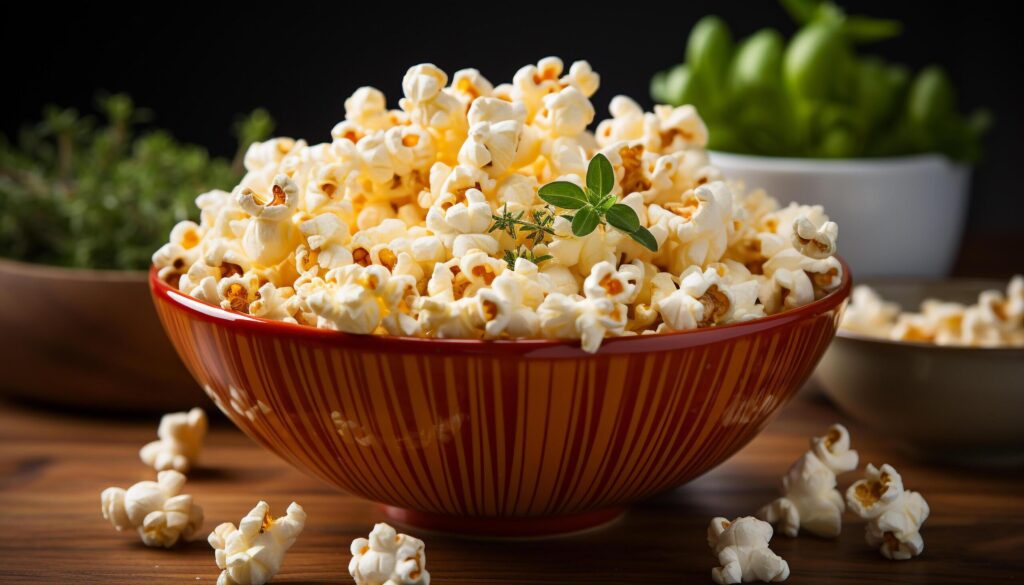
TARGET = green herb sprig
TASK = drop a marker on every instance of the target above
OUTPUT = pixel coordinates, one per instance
(596, 205)
(96, 192)
(538, 229)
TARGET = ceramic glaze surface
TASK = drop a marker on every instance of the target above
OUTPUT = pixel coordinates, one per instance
(492, 431)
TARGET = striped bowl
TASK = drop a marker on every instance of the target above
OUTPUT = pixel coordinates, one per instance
(504, 438)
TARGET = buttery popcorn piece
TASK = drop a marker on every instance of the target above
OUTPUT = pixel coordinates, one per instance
(158, 510)
(252, 553)
(388, 558)
(181, 438)
(742, 550)
(810, 499)
(894, 515)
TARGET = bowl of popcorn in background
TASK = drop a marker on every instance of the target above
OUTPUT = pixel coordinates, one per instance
(957, 364)
(885, 150)
(491, 320)
(76, 236)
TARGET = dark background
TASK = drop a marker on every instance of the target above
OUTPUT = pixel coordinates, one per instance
(199, 67)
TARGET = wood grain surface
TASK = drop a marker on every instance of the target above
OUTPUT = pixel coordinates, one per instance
(53, 467)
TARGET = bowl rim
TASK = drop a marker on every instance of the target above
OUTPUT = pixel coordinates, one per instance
(839, 165)
(920, 345)
(163, 292)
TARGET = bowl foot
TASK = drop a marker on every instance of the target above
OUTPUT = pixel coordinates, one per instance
(505, 527)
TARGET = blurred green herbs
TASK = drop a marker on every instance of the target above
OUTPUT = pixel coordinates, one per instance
(813, 96)
(83, 192)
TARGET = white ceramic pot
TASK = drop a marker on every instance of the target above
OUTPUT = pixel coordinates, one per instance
(897, 216)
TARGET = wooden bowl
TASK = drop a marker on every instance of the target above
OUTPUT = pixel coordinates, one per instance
(507, 438)
(87, 340)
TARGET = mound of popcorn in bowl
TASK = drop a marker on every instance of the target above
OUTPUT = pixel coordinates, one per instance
(488, 211)
(995, 320)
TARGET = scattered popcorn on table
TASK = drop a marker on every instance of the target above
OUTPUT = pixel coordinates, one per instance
(417, 221)
(742, 549)
(810, 499)
(157, 509)
(252, 553)
(894, 515)
(181, 437)
(996, 320)
(388, 558)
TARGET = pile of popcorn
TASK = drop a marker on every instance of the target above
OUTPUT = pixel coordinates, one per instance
(387, 228)
(996, 320)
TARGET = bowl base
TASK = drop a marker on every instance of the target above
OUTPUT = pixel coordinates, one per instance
(505, 527)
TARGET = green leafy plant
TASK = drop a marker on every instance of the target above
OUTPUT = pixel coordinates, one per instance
(596, 204)
(538, 229)
(81, 192)
(814, 96)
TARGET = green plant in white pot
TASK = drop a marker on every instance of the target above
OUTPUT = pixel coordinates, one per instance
(887, 152)
(83, 204)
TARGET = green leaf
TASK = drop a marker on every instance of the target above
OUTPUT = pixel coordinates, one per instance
(586, 221)
(864, 29)
(623, 217)
(645, 238)
(606, 203)
(801, 11)
(600, 175)
(563, 194)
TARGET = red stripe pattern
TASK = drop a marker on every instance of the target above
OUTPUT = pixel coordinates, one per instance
(493, 430)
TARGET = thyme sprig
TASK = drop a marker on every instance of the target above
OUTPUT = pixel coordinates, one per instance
(538, 228)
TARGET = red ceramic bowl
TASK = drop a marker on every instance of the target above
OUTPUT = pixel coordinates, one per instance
(510, 438)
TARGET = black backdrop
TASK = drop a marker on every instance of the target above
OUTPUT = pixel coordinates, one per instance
(198, 67)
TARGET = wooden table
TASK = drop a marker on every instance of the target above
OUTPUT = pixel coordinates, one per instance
(53, 467)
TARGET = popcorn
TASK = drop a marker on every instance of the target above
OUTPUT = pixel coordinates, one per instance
(697, 225)
(812, 240)
(392, 227)
(868, 314)
(181, 438)
(269, 235)
(742, 550)
(388, 558)
(357, 299)
(810, 499)
(894, 515)
(566, 113)
(252, 553)
(994, 321)
(158, 510)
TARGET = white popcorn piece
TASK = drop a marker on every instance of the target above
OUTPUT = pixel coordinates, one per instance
(574, 317)
(868, 314)
(181, 438)
(680, 128)
(269, 237)
(742, 550)
(566, 113)
(252, 553)
(812, 240)
(158, 510)
(357, 299)
(810, 499)
(894, 515)
(388, 558)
